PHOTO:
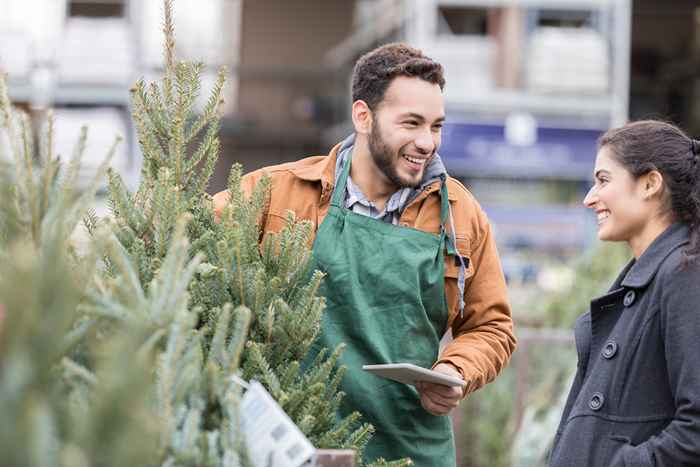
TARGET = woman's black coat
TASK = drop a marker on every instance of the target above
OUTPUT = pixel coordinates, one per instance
(635, 400)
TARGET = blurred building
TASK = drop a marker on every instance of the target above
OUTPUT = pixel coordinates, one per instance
(82, 56)
(531, 84)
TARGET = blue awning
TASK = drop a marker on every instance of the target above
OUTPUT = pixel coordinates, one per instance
(479, 150)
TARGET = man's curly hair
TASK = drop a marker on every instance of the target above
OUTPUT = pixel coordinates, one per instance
(374, 71)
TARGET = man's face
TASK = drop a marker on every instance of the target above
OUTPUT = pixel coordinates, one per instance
(406, 130)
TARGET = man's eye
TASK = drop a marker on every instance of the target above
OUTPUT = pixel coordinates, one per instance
(411, 123)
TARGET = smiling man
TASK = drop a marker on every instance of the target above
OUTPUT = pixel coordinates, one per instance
(408, 255)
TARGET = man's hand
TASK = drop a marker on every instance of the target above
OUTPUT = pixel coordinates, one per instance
(438, 399)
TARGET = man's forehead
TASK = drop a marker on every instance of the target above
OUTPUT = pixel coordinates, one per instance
(415, 96)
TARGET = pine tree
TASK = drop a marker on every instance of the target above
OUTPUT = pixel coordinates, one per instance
(272, 280)
(56, 412)
(78, 347)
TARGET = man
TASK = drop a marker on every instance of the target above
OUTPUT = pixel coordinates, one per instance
(408, 255)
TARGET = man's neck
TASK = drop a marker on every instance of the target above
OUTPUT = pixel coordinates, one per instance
(369, 178)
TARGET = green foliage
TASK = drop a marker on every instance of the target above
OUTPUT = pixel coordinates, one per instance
(486, 423)
(120, 350)
(57, 412)
(593, 273)
(234, 271)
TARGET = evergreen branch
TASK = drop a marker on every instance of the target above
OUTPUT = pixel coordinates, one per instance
(238, 339)
(8, 122)
(91, 222)
(120, 258)
(31, 189)
(217, 349)
(158, 113)
(202, 179)
(212, 107)
(73, 172)
(50, 167)
(169, 53)
(74, 369)
(147, 131)
(203, 148)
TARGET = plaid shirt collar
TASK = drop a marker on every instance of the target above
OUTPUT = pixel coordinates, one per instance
(356, 201)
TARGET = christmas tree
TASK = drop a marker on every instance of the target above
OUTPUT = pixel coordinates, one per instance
(159, 284)
(273, 280)
(56, 411)
(78, 348)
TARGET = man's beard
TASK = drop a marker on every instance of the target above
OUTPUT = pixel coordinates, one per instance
(385, 160)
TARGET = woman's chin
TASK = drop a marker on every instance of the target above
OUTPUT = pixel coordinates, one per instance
(604, 235)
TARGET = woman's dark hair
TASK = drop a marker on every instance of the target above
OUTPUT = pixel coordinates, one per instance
(374, 71)
(649, 145)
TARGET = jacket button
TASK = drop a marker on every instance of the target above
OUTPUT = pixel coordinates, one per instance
(597, 401)
(629, 298)
(610, 349)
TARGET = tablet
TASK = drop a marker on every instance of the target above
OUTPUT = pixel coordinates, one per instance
(408, 373)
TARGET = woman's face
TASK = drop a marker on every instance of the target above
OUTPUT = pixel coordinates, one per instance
(618, 201)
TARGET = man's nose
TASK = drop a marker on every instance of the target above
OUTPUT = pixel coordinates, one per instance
(425, 142)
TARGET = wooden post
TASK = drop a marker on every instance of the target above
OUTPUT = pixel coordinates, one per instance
(334, 458)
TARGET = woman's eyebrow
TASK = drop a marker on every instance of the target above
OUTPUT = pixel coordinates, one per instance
(600, 172)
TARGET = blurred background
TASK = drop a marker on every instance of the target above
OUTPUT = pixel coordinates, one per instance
(531, 85)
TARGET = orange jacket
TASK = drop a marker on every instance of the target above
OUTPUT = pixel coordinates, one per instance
(483, 339)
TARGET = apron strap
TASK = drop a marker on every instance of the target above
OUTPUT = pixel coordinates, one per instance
(451, 243)
(340, 186)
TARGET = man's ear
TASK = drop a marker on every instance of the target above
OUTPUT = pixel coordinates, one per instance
(653, 184)
(361, 117)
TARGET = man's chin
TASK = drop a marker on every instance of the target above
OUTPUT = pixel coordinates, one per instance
(411, 182)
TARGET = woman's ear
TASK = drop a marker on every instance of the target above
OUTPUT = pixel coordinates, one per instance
(653, 184)
(361, 117)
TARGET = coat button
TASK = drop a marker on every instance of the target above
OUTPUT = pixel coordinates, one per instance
(597, 401)
(610, 349)
(629, 298)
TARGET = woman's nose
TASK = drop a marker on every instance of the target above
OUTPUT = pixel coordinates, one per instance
(590, 198)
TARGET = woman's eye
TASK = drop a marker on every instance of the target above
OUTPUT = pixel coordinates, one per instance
(411, 123)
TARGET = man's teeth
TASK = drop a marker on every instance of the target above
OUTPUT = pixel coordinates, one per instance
(603, 215)
(414, 160)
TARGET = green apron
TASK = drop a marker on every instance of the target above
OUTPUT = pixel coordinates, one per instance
(385, 299)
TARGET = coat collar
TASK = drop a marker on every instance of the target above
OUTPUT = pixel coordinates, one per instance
(642, 271)
(324, 171)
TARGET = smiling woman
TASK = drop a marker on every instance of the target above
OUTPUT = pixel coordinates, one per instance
(635, 400)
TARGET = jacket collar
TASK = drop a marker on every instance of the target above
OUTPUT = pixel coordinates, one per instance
(324, 170)
(642, 271)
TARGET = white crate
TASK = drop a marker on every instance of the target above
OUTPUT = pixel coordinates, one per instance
(96, 50)
(16, 54)
(199, 31)
(469, 64)
(561, 60)
(40, 20)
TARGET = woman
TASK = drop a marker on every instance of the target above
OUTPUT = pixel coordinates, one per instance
(635, 400)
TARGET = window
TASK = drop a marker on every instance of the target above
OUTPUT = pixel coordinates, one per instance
(97, 8)
(462, 21)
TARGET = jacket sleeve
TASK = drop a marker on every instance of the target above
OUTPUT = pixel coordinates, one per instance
(483, 338)
(679, 443)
